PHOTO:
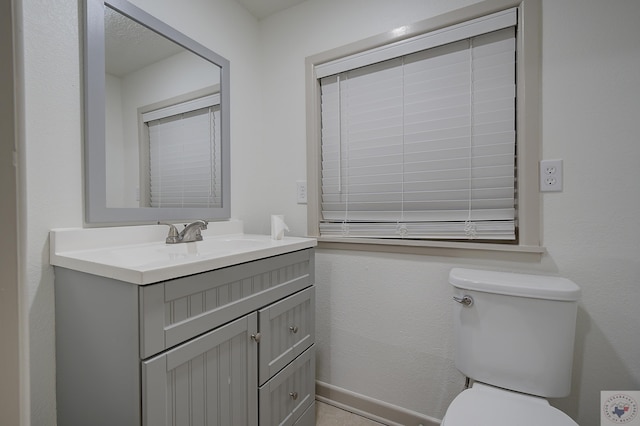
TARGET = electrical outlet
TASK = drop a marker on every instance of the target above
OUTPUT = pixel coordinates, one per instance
(301, 193)
(551, 175)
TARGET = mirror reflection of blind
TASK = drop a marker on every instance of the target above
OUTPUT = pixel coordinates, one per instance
(423, 145)
(184, 149)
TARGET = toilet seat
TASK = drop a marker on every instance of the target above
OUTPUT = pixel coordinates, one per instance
(486, 405)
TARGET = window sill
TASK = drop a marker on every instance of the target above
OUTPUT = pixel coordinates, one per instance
(436, 248)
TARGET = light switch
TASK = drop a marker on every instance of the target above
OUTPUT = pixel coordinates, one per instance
(301, 193)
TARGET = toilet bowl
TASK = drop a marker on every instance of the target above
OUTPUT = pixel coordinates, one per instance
(487, 405)
(514, 336)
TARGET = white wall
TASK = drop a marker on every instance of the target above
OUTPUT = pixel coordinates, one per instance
(383, 320)
(115, 156)
(50, 148)
(10, 332)
(51, 144)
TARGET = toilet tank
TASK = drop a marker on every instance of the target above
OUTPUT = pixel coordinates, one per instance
(519, 331)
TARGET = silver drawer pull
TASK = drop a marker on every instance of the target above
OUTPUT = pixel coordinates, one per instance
(256, 337)
(466, 300)
(293, 329)
(293, 395)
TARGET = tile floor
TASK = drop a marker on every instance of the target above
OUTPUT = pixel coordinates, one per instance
(328, 415)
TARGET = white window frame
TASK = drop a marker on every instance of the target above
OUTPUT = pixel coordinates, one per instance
(529, 130)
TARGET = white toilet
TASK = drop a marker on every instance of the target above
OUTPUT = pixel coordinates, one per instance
(514, 336)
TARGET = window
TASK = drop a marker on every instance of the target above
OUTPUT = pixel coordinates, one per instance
(416, 139)
(184, 154)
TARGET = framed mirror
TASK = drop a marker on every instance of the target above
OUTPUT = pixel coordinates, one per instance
(156, 120)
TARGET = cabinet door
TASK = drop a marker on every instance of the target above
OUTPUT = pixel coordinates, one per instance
(210, 380)
(285, 398)
(287, 329)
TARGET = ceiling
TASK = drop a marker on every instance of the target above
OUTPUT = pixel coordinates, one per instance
(263, 8)
(130, 46)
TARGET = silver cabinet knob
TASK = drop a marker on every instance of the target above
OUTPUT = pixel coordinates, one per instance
(466, 300)
(293, 395)
(293, 329)
(256, 337)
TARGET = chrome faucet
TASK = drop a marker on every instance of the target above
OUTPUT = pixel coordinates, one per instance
(191, 232)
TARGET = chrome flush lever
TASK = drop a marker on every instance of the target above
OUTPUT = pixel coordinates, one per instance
(466, 300)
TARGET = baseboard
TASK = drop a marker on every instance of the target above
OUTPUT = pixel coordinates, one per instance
(370, 408)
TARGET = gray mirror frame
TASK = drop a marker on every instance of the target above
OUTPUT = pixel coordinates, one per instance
(96, 210)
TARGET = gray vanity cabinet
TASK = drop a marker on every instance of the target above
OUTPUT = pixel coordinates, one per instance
(232, 346)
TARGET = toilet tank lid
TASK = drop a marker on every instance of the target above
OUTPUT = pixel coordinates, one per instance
(515, 284)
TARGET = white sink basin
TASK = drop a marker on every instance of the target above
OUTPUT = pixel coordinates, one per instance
(161, 254)
(147, 261)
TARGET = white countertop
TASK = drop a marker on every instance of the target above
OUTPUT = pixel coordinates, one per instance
(139, 254)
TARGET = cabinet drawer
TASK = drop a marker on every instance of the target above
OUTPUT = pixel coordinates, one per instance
(285, 398)
(175, 311)
(287, 329)
(308, 418)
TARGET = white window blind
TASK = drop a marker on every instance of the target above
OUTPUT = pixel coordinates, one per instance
(423, 145)
(184, 148)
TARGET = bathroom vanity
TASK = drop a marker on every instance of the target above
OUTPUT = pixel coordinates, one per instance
(214, 332)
